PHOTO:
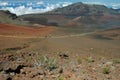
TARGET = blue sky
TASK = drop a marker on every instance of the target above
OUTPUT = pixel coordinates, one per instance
(21, 7)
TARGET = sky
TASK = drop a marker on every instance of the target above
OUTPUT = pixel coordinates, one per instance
(21, 7)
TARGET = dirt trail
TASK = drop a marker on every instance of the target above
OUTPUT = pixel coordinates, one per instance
(65, 36)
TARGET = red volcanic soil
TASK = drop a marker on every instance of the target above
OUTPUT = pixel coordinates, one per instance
(8, 29)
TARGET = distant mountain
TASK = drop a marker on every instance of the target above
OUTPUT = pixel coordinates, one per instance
(10, 18)
(74, 15)
(7, 13)
(79, 15)
(81, 9)
(6, 16)
(78, 9)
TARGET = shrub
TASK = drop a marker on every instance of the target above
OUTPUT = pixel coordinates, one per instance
(84, 71)
(106, 70)
(61, 78)
(52, 64)
(45, 62)
(79, 60)
(90, 59)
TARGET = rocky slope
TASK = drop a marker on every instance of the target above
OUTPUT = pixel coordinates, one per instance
(80, 9)
(10, 18)
(77, 15)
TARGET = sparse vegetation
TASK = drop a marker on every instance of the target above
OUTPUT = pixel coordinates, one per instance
(84, 71)
(59, 52)
(116, 61)
(106, 70)
(73, 44)
(12, 49)
(60, 78)
(79, 60)
(90, 59)
(45, 62)
(52, 64)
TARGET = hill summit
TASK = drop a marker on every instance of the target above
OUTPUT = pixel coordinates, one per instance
(82, 9)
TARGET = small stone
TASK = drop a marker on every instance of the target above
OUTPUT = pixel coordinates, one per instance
(22, 70)
(93, 68)
(12, 74)
(55, 76)
(41, 72)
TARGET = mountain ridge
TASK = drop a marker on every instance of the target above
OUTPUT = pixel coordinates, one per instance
(79, 14)
(82, 9)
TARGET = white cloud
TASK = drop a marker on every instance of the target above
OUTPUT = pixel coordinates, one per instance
(20, 10)
(115, 6)
(27, 10)
(39, 3)
(66, 4)
(99, 3)
(112, 5)
(3, 3)
(29, 4)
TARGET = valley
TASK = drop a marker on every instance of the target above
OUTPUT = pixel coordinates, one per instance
(52, 46)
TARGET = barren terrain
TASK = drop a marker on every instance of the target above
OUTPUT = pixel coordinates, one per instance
(13, 30)
(43, 54)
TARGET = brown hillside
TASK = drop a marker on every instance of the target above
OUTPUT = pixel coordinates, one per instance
(113, 34)
(7, 29)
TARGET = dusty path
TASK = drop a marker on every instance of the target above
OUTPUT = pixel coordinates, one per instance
(65, 36)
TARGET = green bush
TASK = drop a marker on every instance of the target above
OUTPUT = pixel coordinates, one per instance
(52, 64)
(79, 60)
(106, 70)
(84, 71)
(90, 59)
(46, 62)
(61, 78)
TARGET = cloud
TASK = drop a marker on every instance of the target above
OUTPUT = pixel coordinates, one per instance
(99, 3)
(28, 10)
(66, 4)
(29, 4)
(22, 9)
(116, 6)
(39, 3)
(3, 3)
(111, 5)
